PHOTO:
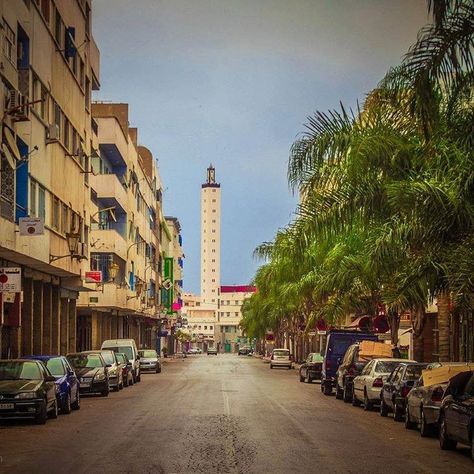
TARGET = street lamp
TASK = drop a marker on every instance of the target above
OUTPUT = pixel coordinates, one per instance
(72, 239)
(139, 285)
(113, 271)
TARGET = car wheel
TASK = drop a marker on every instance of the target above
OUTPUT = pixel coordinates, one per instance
(271, 366)
(42, 416)
(367, 403)
(66, 405)
(444, 441)
(383, 408)
(425, 428)
(347, 395)
(397, 412)
(327, 388)
(125, 382)
(301, 378)
(339, 392)
(105, 393)
(132, 379)
(139, 377)
(55, 411)
(409, 425)
(76, 405)
(472, 443)
(355, 401)
(308, 379)
(116, 388)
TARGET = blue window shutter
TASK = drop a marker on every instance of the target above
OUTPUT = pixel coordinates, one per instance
(22, 184)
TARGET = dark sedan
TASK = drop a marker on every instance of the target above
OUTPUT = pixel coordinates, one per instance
(67, 384)
(92, 372)
(397, 387)
(456, 420)
(311, 368)
(27, 390)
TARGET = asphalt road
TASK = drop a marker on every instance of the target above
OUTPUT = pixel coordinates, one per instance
(209, 414)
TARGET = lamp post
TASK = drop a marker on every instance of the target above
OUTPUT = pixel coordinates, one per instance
(72, 239)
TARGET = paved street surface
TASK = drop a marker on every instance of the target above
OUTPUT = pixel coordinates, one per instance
(221, 414)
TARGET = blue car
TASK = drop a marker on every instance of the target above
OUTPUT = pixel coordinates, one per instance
(67, 384)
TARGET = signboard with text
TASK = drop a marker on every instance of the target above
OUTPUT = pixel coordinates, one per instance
(31, 226)
(93, 277)
(10, 279)
(167, 293)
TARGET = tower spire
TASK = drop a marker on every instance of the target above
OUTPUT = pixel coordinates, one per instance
(211, 175)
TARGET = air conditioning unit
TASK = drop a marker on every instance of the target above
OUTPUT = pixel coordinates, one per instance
(53, 133)
(15, 99)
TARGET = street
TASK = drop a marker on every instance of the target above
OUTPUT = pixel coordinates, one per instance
(221, 414)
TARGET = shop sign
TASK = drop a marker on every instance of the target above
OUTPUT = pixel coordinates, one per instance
(93, 277)
(10, 279)
(31, 226)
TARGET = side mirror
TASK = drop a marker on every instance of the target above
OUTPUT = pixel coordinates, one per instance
(50, 378)
(108, 366)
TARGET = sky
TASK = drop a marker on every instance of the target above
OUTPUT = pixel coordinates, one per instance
(231, 82)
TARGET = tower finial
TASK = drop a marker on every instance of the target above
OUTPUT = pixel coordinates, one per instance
(211, 175)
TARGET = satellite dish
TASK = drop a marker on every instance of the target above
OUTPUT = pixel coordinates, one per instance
(7, 154)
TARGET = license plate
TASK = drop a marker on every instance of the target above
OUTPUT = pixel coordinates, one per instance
(85, 385)
(7, 406)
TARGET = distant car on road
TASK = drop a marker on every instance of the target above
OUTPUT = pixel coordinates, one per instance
(338, 341)
(368, 385)
(311, 368)
(244, 350)
(194, 350)
(456, 419)
(27, 390)
(397, 387)
(211, 351)
(149, 361)
(67, 383)
(281, 358)
(92, 372)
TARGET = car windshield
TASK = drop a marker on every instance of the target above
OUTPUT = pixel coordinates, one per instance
(281, 353)
(56, 366)
(12, 370)
(317, 358)
(81, 361)
(386, 366)
(120, 358)
(108, 357)
(148, 354)
(413, 372)
(127, 350)
(339, 346)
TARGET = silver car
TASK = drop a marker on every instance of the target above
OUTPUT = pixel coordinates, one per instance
(115, 372)
(149, 361)
(281, 358)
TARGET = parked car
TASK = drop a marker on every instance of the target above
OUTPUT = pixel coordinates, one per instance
(27, 390)
(281, 358)
(126, 367)
(115, 375)
(397, 387)
(244, 350)
(211, 351)
(92, 372)
(149, 360)
(424, 401)
(67, 383)
(129, 348)
(311, 368)
(456, 419)
(337, 344)
(368, 385)
(194, 350)
(350, 367)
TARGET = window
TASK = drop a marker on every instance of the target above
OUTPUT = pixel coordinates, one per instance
(42, 202)
(44, 103)
(211, 327)
(55, 222)
(88, 92)
(33, 207)
(58, 28)
(9, 43)
(205, 327)
(45, 9)
(64, 219)
(57, 117)
(66, 133)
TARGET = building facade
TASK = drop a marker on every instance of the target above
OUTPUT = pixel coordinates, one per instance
(50, 65)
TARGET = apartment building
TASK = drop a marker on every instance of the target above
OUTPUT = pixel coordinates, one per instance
(229, 335)
(49, 65)
(125, 236)
(200, 320)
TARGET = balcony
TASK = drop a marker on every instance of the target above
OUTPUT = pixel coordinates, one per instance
(95, 64)
(110, 191)
(109, 241)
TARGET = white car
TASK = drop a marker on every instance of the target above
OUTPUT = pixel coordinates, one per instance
(281, 358)
(129, 348)
(368, 385)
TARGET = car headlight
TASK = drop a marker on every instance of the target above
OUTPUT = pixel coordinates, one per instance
(100, 376)
(112, 372)
(25, 395)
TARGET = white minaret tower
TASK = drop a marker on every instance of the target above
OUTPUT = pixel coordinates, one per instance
(210, 239)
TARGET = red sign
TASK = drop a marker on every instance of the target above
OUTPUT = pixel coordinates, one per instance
(94, 277)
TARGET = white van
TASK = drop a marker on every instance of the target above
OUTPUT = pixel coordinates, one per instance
(129, 348)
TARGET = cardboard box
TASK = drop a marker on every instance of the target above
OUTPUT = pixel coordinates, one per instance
(372, 350)
(442, 374)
